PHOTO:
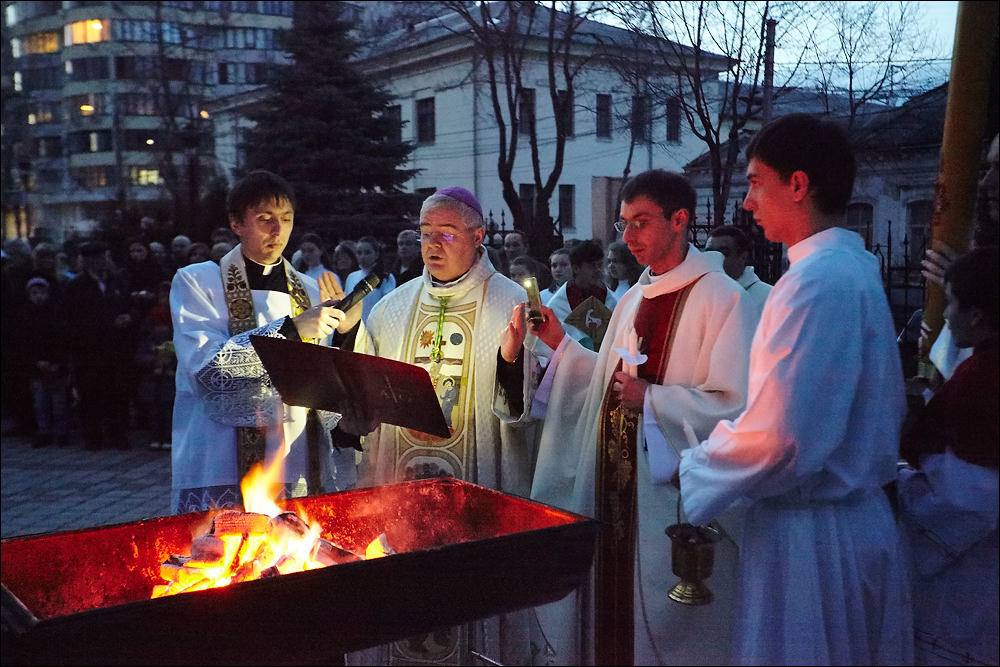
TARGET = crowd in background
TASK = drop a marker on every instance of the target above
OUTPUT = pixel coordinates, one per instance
(87, 334)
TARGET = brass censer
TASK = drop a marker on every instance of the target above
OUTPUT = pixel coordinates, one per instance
(692, 554)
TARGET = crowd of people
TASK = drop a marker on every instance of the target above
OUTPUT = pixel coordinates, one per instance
(112, 383)
(658, 384)
(88, 341)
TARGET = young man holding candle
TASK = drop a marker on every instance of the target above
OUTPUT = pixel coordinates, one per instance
(675, 353)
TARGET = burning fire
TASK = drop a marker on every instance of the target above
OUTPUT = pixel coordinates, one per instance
(264, 541)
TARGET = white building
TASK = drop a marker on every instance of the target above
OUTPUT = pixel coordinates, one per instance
(441, 86)
(898, 154)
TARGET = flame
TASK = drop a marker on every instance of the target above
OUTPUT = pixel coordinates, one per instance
(265, 540)
(261, 485)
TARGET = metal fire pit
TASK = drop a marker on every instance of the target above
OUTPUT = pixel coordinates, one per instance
(463, 552)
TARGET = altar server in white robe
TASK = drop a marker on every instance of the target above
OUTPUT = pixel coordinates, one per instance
(735, 247)
(613, 423)
(822, 569)
(226, 416)
(450, 321)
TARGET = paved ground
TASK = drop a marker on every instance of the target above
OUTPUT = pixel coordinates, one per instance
(64, 488)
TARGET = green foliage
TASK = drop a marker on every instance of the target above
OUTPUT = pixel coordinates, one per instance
(325, 129)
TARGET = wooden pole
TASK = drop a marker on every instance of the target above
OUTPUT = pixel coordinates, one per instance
(961, 146)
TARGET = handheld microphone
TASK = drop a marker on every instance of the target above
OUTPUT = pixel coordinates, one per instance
(360, 291)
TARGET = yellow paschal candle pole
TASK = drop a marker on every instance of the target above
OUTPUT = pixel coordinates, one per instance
(964, 123)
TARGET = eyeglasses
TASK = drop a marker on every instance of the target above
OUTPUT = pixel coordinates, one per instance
(639, 225)
(439, 237)
(635, 225)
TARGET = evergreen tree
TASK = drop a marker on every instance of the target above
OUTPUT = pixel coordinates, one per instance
(325, 129)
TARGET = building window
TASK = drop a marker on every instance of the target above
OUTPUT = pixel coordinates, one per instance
(152, 67)
(859, 219)
(640, 119)
(674, 119)
(97, 141)
(425, 121)
(89, 104)
(526, 193)
(567, 105)
(171, 33)
(394, 115)
(91, 177)
(135, 67)
(125, 30)
(41, 78)
(144, 176)
(87, 32)
(256, 73)
(48, 146)
(39, 42)
(43, 112)
(567, 196)
(604, 116)
(249, 38)
(242, 73)
(49, 178)
(918, 227)
(527, 112)
(87, 69)
(22, 11)
(137, 104)
(275, 7)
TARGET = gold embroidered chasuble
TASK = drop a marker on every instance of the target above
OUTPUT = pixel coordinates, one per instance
(616, 485)
(453, 331)
(442, 345)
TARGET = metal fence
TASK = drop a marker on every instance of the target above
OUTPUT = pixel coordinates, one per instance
(767, 259)
(901, 272)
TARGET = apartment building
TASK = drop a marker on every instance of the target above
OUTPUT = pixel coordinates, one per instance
(105, 106)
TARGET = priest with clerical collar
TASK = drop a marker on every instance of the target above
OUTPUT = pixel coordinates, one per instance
(227, 417)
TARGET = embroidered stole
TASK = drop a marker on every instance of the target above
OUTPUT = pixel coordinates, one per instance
(616, 485)
(251, 441)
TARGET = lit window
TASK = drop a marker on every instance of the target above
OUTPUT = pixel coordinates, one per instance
(88, 104)
(140, 176)
(18, 82)
(85, 32)
(42, 112)
(41, 42)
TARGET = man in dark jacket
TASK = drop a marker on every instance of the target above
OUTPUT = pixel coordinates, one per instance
(101, 339)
